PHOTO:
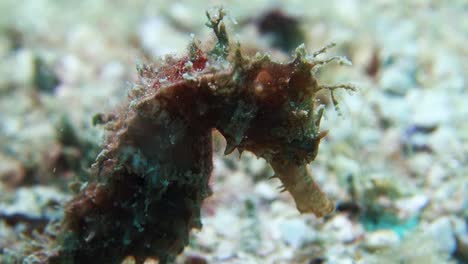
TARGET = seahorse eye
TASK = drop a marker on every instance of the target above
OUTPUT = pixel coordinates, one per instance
(262, 83)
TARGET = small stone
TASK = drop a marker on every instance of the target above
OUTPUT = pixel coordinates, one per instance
(420, 163)
(71, 70)
(158, 37)
(129, 260)
(448, 69)
(394, 109)
(12, 172)
(436, 175)
(295, 232)
(265, 191)
(182, 13)
(381, 239)
(338, 254)
(446, 140)
(20, 68)
(340, 228)
(442, 232)
(85, 41)
(226, 218)
(226, 249)
(206, 237)
(280, 207)
(348, 11)
(5, 46)
(34, 202)
(151, 261)
(113, 72)
(391, 143)
(429, 108)
(253, 165)
(345, 166)
(396, 81)
(411, 206)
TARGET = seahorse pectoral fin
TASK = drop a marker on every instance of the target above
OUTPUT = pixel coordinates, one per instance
(298, 181)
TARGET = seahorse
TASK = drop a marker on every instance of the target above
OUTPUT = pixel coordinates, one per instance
(152, 175)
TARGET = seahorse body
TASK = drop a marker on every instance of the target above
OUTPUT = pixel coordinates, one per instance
(152, 175)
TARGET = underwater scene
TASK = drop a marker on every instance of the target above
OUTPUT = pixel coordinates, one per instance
(233, 132)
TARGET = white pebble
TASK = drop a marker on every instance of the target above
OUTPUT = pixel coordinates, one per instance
(442, 232)
(295, 232)
(381, 239)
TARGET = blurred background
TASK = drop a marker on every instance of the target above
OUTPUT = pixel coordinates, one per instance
(395, 160)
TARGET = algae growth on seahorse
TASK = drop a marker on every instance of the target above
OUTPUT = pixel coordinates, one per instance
(151, 178)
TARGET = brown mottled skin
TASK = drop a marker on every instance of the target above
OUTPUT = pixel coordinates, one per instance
(152, 176)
